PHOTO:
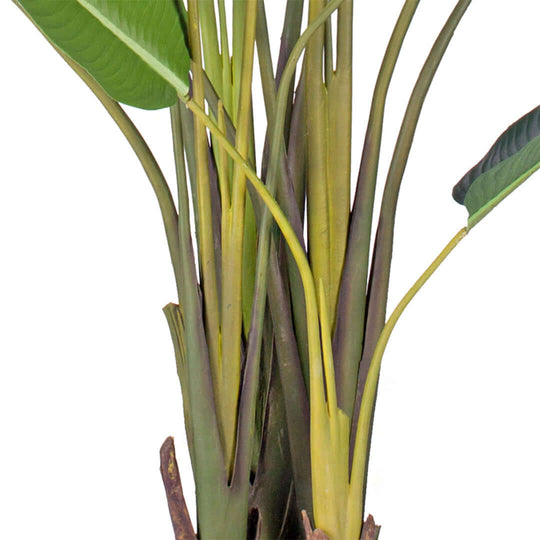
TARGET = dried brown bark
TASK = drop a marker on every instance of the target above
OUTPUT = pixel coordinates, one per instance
(183, 529)
(370, 531)
(311, 534)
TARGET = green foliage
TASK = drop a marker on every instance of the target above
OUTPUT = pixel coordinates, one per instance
(135, 50)
(275, 342)
(513, 158)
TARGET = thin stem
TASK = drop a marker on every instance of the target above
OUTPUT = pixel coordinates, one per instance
(361, 449)
(348, 334)
(239, 15)
(289, 36)
(212, 57)
(338, 143)
(149, 163)
(382, 253)
(223, 165)
(226, 73)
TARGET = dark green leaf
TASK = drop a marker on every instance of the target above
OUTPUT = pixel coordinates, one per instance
(135, 49)
(511, 160)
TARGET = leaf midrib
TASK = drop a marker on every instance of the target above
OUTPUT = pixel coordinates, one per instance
(159, 67)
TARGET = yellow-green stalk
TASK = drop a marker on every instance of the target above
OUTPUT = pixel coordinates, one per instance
(233, 243)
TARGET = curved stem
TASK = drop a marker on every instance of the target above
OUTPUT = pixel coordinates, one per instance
(348, 339)
(147, 159)
(272, 210)
(361, 448)
(294, 245)
(382, 254)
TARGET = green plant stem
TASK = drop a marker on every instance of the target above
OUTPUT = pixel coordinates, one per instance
(317, 393)
(213, 100)
(212, 57)
(239, 14)
(223, 167)
(277, 144)
(293, 243)
(248, 395)
(328, 51)
(292, 380)
(226, 73)
(296, 153)
(286, 194)
(294, 388)
(146, 158)
(348, 334)
(289, 36)
(361, 449)
(316, 143)
(233, 249)
(206, 447)
(338, 142)
(382, 253)
(247, 405)
(188, 140)
(206, 238)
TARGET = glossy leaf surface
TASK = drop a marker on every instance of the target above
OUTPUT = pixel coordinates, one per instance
(135, 49)
(513, 158)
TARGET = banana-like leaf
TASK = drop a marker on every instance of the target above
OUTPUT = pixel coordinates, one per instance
(511, 160)
(135, 49)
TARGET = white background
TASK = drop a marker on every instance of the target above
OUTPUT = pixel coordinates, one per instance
(88, 387)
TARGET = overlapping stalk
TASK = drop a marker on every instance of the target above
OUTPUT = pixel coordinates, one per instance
(326, 332)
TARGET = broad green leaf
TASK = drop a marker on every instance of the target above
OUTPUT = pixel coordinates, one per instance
(135, 49)
(513, 158)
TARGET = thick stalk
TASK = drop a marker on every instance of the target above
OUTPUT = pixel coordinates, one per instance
(286, 193)
(382, 254)
(316, 137)
(207, 454)
(292, 381)
(285, 190)
(233, 237)
(296, 153)
(293, 243)
(226, 68)
(209, 35)
(363, 434)
(226, 95)
(206, 238)
(348, 334)
(239, 16)
(294, 389)
(289, 36)
(247, 406)
(338, 141)
(328, 51)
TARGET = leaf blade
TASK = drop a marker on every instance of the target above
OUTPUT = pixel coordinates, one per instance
(151, 29)
(513, 158)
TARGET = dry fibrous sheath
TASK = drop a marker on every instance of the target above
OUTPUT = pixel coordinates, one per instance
(280, 321)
